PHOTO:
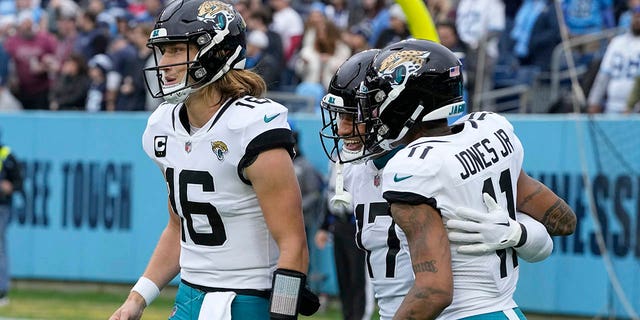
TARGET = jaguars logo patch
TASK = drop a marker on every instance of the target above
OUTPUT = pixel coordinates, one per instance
(219, 148)
(400, 65)
(217, 12)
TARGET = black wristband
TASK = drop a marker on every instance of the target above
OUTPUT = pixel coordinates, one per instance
(523, 236)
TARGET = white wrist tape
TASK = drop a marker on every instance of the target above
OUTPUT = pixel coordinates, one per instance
(147, 289)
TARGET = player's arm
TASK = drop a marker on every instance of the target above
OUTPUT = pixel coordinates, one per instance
(273, 178)
(479, 232)
(432, 290)
(542, 204)
(163, 266)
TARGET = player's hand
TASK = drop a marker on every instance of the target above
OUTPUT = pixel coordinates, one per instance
(484, 232)
(131, 309)
(321, 238)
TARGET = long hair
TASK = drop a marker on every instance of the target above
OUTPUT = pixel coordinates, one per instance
(235, 84)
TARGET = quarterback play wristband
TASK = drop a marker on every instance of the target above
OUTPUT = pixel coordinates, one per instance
(147, 289)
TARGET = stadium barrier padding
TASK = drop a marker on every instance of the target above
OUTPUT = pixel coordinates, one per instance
(93, 204)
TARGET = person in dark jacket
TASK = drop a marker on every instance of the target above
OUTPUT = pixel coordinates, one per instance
(10, 182)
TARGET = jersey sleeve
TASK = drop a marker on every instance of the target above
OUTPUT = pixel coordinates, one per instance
(153, 140)
(411, 178)
(263, 126)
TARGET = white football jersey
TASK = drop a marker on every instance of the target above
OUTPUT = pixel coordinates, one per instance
(388, 262)
(482, 155)
(225, 241)
(621, 63)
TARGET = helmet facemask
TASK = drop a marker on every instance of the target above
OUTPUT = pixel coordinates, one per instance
(336, 146)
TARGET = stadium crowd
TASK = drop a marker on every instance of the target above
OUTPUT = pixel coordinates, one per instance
(89, 54)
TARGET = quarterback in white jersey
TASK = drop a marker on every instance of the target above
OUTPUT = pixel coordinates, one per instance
(411, 88)
(235, 233)
(218, 208)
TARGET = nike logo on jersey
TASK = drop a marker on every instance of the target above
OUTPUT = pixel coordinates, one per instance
(268, 119)
(398, 179)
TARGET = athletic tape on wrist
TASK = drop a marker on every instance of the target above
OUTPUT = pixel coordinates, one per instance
(147, 289)
(287, 286)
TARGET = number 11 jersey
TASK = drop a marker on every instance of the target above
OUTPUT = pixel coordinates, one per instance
(482, 154)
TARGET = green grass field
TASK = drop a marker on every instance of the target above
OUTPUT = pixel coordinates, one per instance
(81, 301)
(76, 301)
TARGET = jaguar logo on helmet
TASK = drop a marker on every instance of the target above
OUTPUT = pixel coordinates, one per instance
(217, 12)
(399, 65)
(219, 148)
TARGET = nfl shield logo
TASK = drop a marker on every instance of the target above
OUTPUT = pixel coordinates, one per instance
(376, 180)
(187, 146)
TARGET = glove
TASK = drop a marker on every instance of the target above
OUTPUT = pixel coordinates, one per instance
(290, 296)
(481, 232)
(309, 302)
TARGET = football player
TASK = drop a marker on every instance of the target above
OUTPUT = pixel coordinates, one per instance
(346, 131)
(235, 232)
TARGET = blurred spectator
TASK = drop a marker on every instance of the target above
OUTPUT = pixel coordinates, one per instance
(625, 17)
(11, 177)
(357, 37)
(536, 33)
(69, 91)
(132, 95)
(99, 66)
(243, 7)
(588, 16)
(633, 103)
(377, 16)
(67, 34)
(449, 38)
(262, 62)
(152, 9)
(397, 30)
(441, 10)
(91, 39)
(33, 54)
(7, 101)
(33, 7)
(480, 24)
(338, 13)
(56, 9)
(618, 71)
(288, 24)
(322, 53)
(121, 52)
(260, 20)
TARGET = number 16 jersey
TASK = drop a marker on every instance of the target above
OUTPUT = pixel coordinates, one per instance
(225, 242)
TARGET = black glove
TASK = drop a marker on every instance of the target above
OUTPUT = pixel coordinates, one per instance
(309, 302)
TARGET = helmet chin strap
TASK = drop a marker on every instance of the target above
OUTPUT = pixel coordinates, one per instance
(446, 111)
(389, 144)
(342, 199)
